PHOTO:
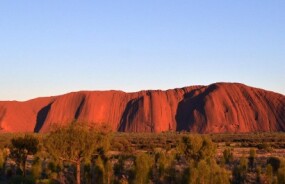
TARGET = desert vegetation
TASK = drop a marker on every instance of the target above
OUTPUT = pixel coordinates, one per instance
(84, 154)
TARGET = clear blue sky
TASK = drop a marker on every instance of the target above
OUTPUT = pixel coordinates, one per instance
(50, 47)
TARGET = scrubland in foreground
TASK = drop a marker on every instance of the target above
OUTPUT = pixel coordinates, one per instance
(78, 155)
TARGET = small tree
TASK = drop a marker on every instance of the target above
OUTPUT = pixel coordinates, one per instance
(74, 144)
(22, 147)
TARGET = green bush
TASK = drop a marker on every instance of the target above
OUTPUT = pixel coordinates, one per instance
(109, 173)
(258, 174)
(240, 171)
(276, 168)
(205, 172)
(264, 146)
(281, 174)
(275, 162)
(2, 160)
(269, 173)
(251, 158)
(196, 147)
(99, 171)
(164, 162)
(228, 155)
(37, 168)
(143, 165)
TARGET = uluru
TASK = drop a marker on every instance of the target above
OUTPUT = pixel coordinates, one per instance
(216, 108)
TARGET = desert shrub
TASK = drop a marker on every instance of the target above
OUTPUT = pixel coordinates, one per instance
(269, 173)
(205, 172)
(123, 169)
(109, 173)
(240, 171)
(196, 147)
(265, 146)
(53, 176)
(118, 167)
(51, 169)
(281, 174)
(121, 144)
(199, 151)
(228, 144)
(103, 145)
(218, 174)
(278, 165)
(118, 146)
(251, 158)
(99, 171)
(2, 160)
(102, 171)
(37, 168)
(143, 165)
(244, 144)
(54, 166)
(275, 162)
(163, 164)
(228, 155)
(258, 174)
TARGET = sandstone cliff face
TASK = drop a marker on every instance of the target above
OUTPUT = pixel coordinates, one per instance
(217, 108)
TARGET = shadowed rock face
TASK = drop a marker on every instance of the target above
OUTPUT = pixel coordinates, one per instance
(217, 108)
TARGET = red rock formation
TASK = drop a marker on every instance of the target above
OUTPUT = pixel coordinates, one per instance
(220, 107)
